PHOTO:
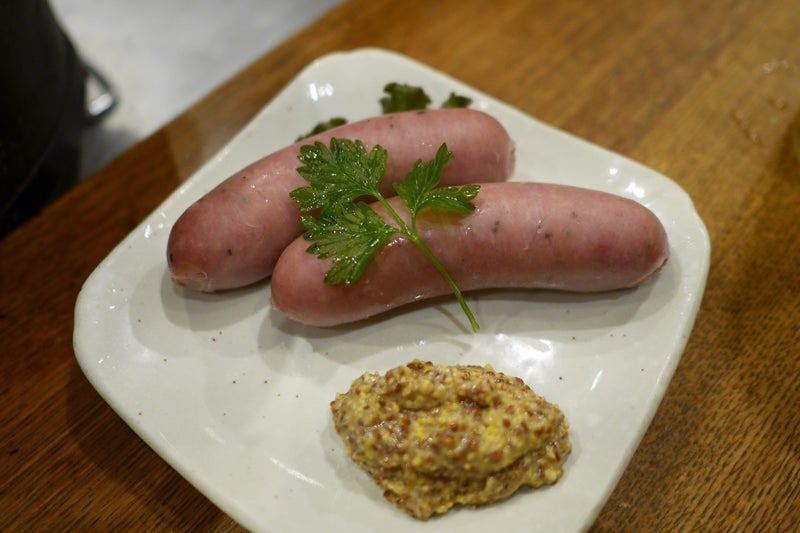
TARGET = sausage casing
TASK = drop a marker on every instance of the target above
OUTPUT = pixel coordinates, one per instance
(233, 235)
(521, 235)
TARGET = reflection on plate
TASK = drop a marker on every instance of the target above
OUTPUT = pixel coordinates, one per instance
(236, 398)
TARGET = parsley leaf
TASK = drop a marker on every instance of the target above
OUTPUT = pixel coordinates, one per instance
(338, 175)
(419, 191)
(348, 230)
(403, 97)
(352, 238)
(323, 126)
(455, 100)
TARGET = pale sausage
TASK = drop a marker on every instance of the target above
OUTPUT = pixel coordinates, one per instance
(233, 235)
(521, 235)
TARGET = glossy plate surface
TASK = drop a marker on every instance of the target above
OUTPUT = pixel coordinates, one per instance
(236, 397)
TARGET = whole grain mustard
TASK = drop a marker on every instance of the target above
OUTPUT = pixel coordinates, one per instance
(437, 436)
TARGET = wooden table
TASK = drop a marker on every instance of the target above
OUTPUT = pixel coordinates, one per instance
(703, 92)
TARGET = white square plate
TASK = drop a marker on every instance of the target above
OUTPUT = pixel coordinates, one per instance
(236, 397)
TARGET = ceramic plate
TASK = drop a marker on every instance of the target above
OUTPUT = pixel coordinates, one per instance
(236, 397)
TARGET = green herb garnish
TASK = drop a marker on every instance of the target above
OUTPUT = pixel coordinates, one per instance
(346, 229)
(455, 100)
(402, 97)
(324, 126)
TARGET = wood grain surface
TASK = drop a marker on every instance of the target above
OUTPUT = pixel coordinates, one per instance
(703, 92)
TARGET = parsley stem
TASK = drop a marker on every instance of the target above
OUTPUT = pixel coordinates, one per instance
(448, 278)
(411, 233)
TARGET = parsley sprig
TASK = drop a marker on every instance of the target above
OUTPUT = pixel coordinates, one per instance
(399, 97)
(345, 228)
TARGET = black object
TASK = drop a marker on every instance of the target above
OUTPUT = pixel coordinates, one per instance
(42, 110)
